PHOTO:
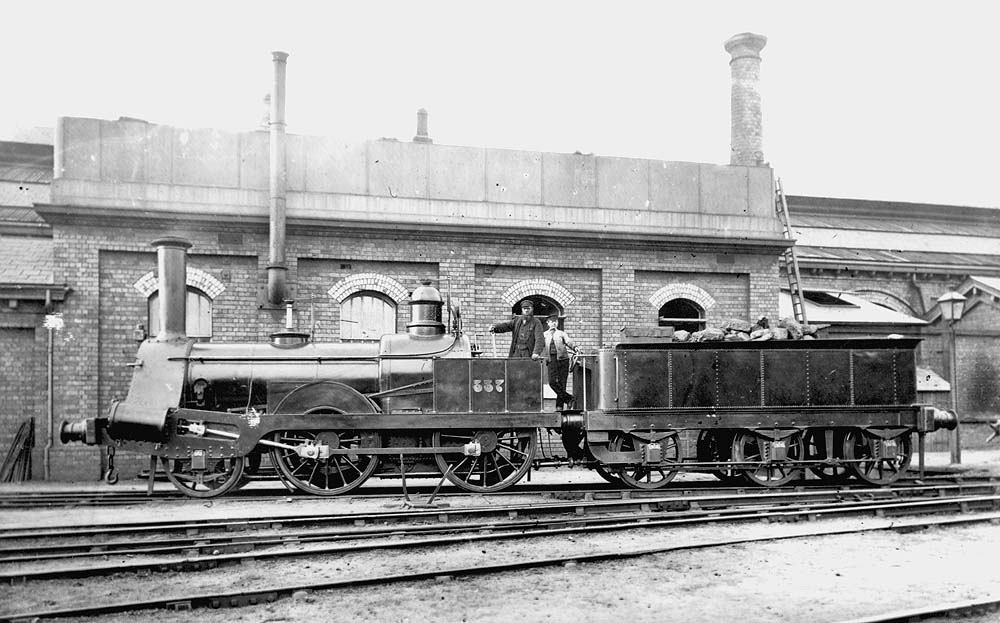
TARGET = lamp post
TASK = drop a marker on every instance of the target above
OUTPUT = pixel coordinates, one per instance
(952, 306)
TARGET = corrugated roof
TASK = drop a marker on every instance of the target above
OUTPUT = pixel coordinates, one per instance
(26, 260)
(896, 256)
(28, 175)
(20, 215)
(850, 309)
(989, 228)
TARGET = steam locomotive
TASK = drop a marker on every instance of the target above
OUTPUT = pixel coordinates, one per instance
(332, 415)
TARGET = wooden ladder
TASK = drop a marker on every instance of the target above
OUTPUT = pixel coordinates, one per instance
(789, 260)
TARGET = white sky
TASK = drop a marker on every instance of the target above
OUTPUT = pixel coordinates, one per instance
(892, 100)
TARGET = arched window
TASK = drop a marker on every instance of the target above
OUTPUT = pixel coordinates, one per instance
(543, 306)
(197, 314)
(367, 315)
(682, 314)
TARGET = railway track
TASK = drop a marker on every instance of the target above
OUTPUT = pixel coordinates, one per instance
(962, 609)
(427, 529)
(272, 592)
(576, 501)
(37, 499)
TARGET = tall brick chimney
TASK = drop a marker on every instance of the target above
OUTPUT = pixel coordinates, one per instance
(748, 135)
(422, 136)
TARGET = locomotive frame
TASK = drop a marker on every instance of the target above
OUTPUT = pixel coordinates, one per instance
(756, 412)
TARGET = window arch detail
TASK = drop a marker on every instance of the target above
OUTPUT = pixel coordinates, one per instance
(682, 291)
(198, 279)
(887, 299)
(544, 287)
(371, 282)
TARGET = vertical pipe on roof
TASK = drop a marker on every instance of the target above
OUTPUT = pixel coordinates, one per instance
(276, 269)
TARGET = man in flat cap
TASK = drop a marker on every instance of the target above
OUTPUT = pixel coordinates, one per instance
(528, 339)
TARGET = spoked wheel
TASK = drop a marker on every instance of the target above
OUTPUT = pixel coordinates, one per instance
(653, 476)
(814, 446)
(304, 466)
(219, 476)
(717, 447)
(606, 473)
(332, 475)
(879, 461)
(251, 467)
(505, 457)
(752, 448)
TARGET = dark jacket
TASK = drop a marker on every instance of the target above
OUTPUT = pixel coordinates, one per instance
(535, 336)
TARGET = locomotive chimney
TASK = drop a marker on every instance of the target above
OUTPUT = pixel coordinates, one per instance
(276, 269)
(747, 129)
(171, 268)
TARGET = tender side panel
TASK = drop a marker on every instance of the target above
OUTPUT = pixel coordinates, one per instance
(874, 377)
(646, 375)
(738, 378)
(829, 377)
(694, 378)
(786, 377)
(906, 376)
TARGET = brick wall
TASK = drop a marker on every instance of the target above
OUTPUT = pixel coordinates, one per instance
(978, 366)
(23, 387)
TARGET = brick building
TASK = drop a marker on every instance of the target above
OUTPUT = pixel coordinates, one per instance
(609, 243)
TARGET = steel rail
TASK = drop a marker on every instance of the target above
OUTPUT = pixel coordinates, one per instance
(715, 506)
(689, 506)
(10, 501)
(689, 496)
(960, 608)
(661, 499)
(271, 593)
(543, 528)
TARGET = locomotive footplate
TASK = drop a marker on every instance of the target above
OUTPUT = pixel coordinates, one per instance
(238, 434)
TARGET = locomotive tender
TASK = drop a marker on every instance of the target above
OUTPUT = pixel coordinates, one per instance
(332, 415)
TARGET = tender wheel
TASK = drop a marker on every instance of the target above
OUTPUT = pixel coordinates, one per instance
(814, 446)
(717, 447)
(506, 457)
(641, 476)
(218, 477)
(751, 448)
(604, 472)
(878, 461)
(336, 474)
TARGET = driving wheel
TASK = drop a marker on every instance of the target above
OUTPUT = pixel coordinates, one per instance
(504, 457)
(304, 466)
